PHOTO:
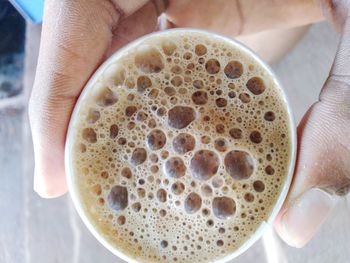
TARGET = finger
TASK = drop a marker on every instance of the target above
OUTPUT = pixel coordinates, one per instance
(142, 22)
(75, 38)
(323, 170)
(242, 17)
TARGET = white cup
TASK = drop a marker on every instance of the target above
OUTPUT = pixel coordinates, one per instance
(85, 93)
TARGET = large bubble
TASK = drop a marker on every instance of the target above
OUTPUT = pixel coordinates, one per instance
(239, 164)
(180, 117)
(204, 164)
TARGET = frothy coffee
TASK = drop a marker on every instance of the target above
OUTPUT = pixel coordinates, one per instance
(181, 148)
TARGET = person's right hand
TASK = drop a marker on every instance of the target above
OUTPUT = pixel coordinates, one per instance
(323, 164)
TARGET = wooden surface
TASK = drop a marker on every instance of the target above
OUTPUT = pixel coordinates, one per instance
(34, 230)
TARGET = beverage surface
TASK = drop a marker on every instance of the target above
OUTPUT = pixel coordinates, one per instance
(181, 148)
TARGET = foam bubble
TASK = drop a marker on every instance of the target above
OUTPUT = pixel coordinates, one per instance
(256, 85)
(224, 207)
(204, 164)
(138, 156)
(148, 59)
(175, 167)
(177, 188)
(113, 131)
(200, 50)
(183, 143)
(200, 97)
(233, 69)
(193, 203)
(180, 117)
(89, 135)
(239, 164)
(156, 139)
(106, 97)
(118, 198)
(93, 116)
(235, 133)
(212, 66)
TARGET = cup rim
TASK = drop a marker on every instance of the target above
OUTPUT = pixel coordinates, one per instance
(69, 141)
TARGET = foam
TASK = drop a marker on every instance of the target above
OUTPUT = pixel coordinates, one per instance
(181, 149)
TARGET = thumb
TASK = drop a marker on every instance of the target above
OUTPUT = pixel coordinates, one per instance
(76, 36)
(323, 166)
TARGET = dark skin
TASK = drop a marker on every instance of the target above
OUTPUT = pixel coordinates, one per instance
(69, 54)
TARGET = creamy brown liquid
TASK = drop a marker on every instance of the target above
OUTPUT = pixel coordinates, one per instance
(181, 149)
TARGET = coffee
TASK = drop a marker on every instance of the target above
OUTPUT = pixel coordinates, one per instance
(182, 146)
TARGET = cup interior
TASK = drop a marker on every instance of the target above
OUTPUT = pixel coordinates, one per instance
(98, 73)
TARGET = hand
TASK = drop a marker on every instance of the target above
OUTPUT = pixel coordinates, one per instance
(78, 35)
(323, 166)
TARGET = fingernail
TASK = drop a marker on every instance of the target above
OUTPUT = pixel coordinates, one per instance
(305, 216)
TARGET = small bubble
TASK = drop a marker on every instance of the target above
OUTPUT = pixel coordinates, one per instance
(204, 164)
(175, 167)
(269, 116)
(162, 195)
(126, 172)
(176, 69)
(130, 110)
(176, 81)
(200, 50)
(220, 128)
(212, 66)
(183, 143)
(180, 117)
(256, 85)
(217, 182)
(200, 97)
(187, 55)
(255, 137)
(153, 94)
(141, 116)
(177, 188)
(121, 220)
(193, 203)
(221, 102)
(198, 84)
(206, 190)
(232, 94)
(89, 135)
(156, 139)
(106, 97)
(239, 164)
(249, 197)
(269, 170)
(168, 47)
(113, 131)
(205, 139)
(223, 207)
(136, 207)
(235, 133)
(219, 243)
(118, 198)
(93, 116)
(233, 69)
(259, 186)
(170, 91)
(138, 156)
(149, 60)
(220, 144)
(164, 244)
(244, 97)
